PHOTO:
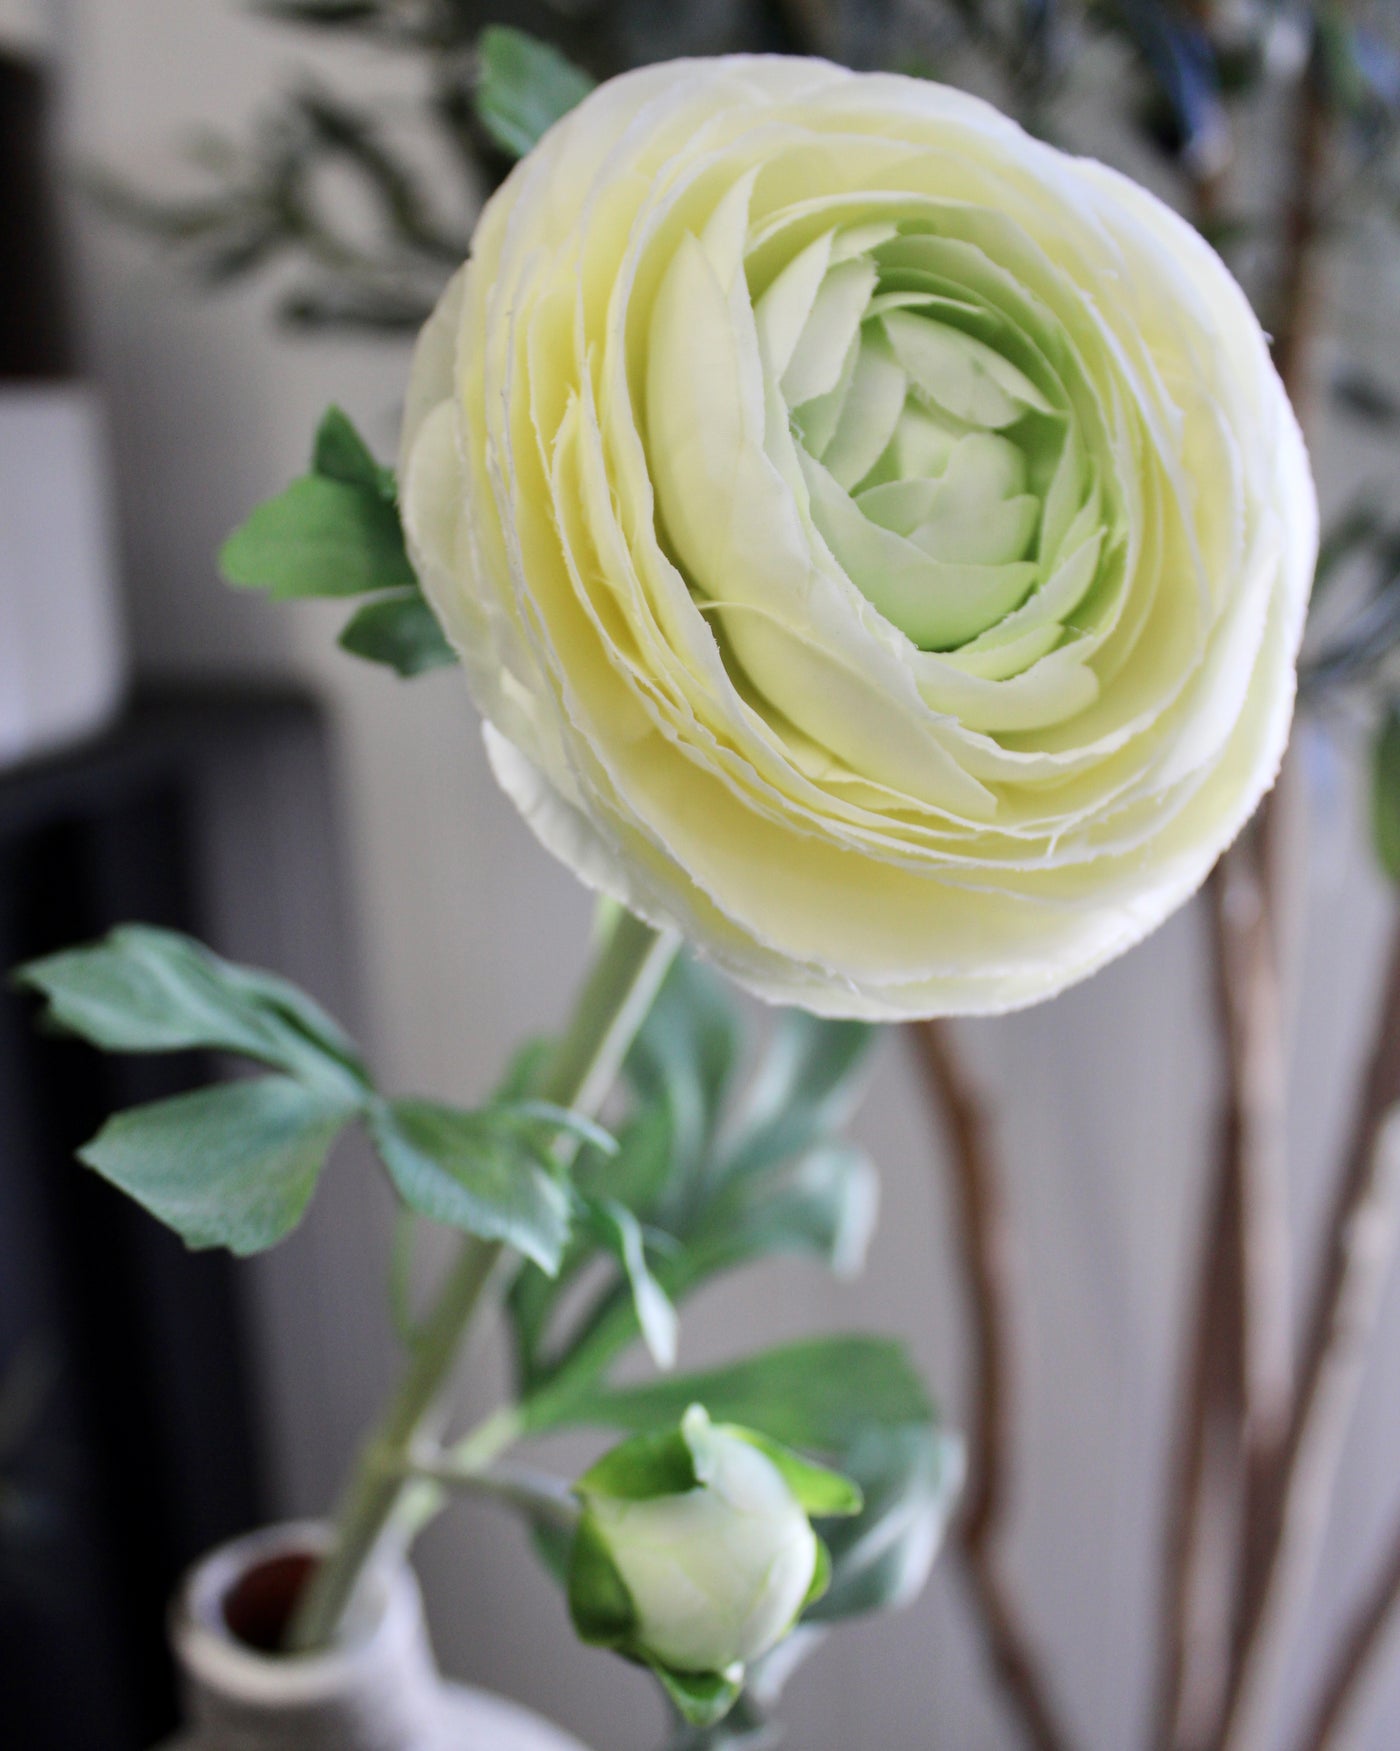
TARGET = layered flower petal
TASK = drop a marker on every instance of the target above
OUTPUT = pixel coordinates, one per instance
(878, 543)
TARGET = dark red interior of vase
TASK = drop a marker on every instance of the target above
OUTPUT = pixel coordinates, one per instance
(259, 1606)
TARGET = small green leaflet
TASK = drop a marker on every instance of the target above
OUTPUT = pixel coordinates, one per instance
(232, 1166)
(401, 631)
(523, 87)
(472, 1171)
(319, 537)
(235, 1165)
(144, 989)
(335, 532)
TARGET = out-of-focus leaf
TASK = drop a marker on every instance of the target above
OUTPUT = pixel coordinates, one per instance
(1385, 792)
(333, 14)
(350, 135)
(823, 1203)
(820, 1395)
(401, 631)
(231, 1166)
(523, 87)
(684, 1057)
(1350, 536)
(807, 1085)
(621, 1234)
(1178, 56)
(352, 305)
(910, 1479)
(1367, 398)
(142, 989)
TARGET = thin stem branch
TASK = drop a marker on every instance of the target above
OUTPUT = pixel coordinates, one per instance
(535, 1494)
(610, 1008)
(985, 1253)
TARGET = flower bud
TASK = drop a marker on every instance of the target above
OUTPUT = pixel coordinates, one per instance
(695, 1553)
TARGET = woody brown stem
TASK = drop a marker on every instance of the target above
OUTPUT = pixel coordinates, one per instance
(984, 1251)
(1360, 1244)
(1361, 1642)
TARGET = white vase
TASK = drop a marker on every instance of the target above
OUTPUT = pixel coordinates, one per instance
(377, 1691)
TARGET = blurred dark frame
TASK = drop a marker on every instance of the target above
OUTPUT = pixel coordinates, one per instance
(140, 1449)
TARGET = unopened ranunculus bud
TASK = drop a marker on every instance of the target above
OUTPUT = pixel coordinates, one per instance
(695, 1553)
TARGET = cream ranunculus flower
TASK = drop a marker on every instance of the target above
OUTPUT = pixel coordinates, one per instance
(878, 542)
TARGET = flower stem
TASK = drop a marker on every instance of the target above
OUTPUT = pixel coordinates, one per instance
(540, 1498)
(612, 1005)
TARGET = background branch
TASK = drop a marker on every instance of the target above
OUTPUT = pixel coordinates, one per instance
(1360, 1644)
(1359, 1248)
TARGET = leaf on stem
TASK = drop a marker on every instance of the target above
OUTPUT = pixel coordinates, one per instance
(401, 631)
(523, 87)
(230, 1166)
(471, 1171)
(319, 537)
(144, 989)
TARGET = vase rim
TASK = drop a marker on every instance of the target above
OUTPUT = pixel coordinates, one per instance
(389, 1616)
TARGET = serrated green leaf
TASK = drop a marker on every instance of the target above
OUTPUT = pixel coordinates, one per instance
(523, 87)
(231, 1166)
(456, 1167)
(401, 631)
(143, 989)
(1385, 792)
(320, 537)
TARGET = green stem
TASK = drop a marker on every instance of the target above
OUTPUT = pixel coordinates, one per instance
(585, 1062)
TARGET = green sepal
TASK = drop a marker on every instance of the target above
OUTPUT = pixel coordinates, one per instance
(818, 1490)
(233, 1166)
(401, 632)
(523, 87)
(600, 1604)
(701, 1698)
(643, 1468)
(821, 1576)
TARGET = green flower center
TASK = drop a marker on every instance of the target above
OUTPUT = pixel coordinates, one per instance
(944, 436)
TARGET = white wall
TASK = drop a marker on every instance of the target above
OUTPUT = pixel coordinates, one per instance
(466, 932)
